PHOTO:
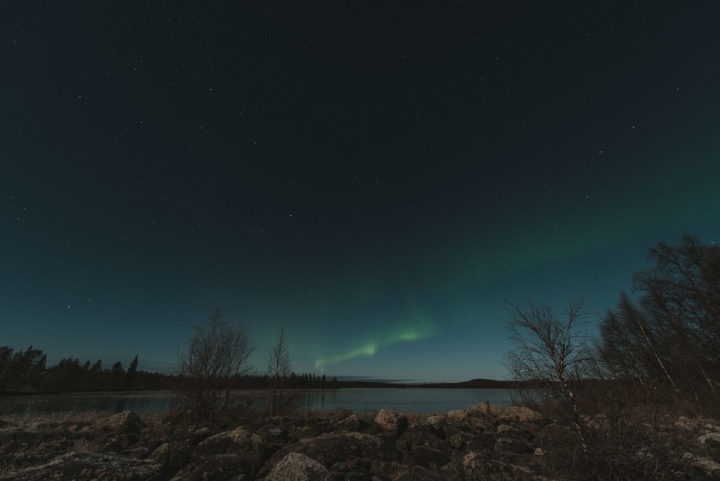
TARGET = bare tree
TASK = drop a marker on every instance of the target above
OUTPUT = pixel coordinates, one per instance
(279, 369)
(217, 354)
(551, 354)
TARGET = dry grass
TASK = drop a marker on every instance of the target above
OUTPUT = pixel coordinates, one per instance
(35, 422)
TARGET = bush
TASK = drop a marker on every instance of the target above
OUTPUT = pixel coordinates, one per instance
(217, 355)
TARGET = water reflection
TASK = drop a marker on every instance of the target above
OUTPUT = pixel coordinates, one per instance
(356, 399)
(403, 399)
(114, 403)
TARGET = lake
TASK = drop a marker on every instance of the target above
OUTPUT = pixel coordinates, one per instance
(357, 399)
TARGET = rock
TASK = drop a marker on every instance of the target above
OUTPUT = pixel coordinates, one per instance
(310, 428)
(518, 446)
(485, 408)
(456, 414)
(161, 453)
(686, 424)
(388, 470)
(222, 467)
(122, 423)
(703, 465)
(711, 439)
(352, 423)
(453, 472)
(248, 445)
(83, 465)
(480, 468)
(199, 436)
(140, 452)
(429, 458)
(481, 442)
(391, 422)
(336, 447)
(298, 467)
(358, 476)
(421, 434)
(339, 467)
(172, 456)
(435, 419)
(473, 417)
(459, 439)
(418, 473)
(114, 445)
(354, 463)
(520, 414)
(271, 433)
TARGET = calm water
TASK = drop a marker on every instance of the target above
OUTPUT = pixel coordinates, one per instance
(357, 399)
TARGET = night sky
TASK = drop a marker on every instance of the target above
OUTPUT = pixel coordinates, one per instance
(374, 176)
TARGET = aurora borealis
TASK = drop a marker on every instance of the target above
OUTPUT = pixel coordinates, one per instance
(376, 178)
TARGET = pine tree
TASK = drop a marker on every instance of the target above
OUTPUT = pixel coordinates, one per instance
(129, 381)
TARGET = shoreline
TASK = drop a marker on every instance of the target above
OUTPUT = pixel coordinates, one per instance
(513, 442)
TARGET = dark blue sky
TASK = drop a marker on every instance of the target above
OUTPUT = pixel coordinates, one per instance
(374, 177)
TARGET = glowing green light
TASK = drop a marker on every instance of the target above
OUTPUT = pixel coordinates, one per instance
(421, 328)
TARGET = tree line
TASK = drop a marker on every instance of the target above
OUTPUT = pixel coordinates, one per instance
(26, 371)
(655, 355)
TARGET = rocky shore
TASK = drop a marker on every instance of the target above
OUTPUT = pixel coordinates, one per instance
(484, 442)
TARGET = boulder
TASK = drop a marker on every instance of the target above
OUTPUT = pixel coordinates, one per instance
(686, 424)
(456, 414)
(703, 465)
(518, 446)
(249, 446)
(485, 408)
(388, 470)
(520, 414)
(453, 472)
(298, 467)
(481, 442)
(198, 436)
(481, 468)
(354, 463)
(271, 433)
(331, 448)
(458, 440)
(358, 476)
(139, 452)
(525, 431)
(352, 423)
(435, 419)
(113, 445)
(421, 434)
(429, 458)
(418, 473)
(222, 467)
(126, 422)
(474, 418)
(391, 422)
(83, 465)
(178, 456)
(710, 439)
(160, 454)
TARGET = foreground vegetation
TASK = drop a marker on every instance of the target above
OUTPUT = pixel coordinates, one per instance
(479, 443)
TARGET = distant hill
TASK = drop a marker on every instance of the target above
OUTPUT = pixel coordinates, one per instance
(475, 384)
(472, 384)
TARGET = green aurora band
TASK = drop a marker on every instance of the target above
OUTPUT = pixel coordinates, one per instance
(422, 328)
